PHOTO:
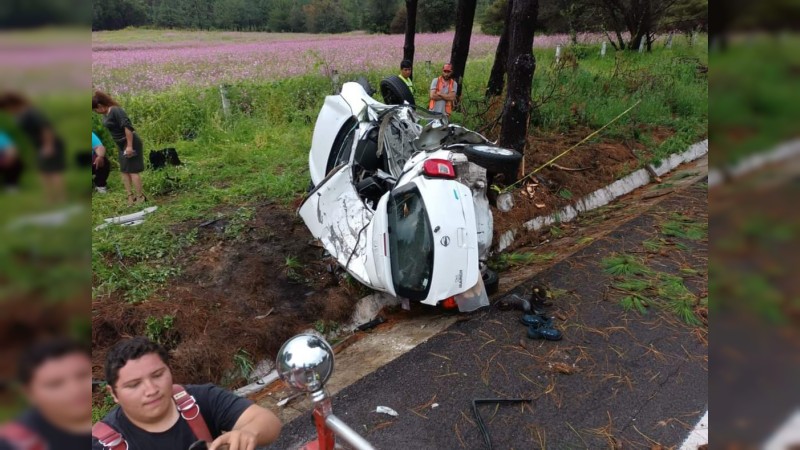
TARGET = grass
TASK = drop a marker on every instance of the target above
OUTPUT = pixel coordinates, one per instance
(756, 96)
(260, 152)
(683, 227)
(623, 264)
(642, 287)
(505, 261)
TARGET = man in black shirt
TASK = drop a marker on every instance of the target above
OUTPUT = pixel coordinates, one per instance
(56, 377)
(139, 379)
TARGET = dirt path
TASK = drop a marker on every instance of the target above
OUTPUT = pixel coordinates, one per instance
(619, 377)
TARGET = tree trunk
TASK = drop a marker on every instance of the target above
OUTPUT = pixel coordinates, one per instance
(465, 15)
(521, 65)
(411, 29)
(497, 77)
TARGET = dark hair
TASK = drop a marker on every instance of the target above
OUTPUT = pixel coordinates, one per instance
(128, 349)
(44, 351)
(405, 64)
(11, 100)
(101, 98)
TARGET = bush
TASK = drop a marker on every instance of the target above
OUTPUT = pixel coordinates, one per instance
(437, 15)
(398, 25)
(494, 19)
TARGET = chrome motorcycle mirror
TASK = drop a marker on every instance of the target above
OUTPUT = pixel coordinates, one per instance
(305, 362)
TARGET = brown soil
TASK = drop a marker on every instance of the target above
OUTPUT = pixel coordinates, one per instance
(226, 287)
(596, 164)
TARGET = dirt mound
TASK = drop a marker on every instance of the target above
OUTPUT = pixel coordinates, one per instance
(237, 299)
(589, 167)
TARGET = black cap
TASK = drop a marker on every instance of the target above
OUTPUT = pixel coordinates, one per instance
(405, 64)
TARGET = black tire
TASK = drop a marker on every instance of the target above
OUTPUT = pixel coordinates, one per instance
(365, 84)
(491, 281)
(496, 160)
(395, 91)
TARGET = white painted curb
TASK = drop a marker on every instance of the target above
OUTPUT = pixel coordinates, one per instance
(780, 153)
(698, 436)
(606, 195)
(788, 436)
(365, 310)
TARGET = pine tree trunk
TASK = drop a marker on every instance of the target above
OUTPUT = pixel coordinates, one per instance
(498, 74)
(465, 15)
(411, 28)
(521, 65)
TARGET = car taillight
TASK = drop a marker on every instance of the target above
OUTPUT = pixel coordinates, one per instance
(449, 303)
(439, 168)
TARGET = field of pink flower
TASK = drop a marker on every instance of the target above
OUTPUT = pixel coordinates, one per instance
(157, 66)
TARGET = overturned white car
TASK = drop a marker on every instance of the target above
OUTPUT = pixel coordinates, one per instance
(402, 206)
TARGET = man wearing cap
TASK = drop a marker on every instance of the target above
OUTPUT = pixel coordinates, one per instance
(405, 74)
(443, 91)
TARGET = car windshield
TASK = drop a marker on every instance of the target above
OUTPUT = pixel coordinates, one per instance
(410, 244)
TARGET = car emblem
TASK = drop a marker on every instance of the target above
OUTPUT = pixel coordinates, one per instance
(445, 241)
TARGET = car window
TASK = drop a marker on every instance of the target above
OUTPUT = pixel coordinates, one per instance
(410, 243)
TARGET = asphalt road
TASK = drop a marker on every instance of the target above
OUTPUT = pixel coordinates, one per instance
(617, 379)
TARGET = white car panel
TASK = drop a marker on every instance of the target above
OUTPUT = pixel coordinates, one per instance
(335, 112)
(335, 215)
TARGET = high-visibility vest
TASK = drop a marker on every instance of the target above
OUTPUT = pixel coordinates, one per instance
(448, 106)
(408, 83)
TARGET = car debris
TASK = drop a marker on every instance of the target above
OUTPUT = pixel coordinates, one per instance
(386, 410)
(398, 198)
(481, 426)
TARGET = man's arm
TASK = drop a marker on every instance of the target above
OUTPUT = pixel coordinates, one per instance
(256, 426)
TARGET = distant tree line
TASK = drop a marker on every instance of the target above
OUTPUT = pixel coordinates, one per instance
(310, 16)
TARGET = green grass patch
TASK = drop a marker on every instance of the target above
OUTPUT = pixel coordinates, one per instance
(642, 287)
(756, 95)
(623, 264)
(505, 261)
(683, 227)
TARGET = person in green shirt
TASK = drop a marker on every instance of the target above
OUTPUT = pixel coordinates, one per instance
(405, 74)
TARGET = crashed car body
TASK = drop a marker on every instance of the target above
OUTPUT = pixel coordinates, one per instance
(399, 205)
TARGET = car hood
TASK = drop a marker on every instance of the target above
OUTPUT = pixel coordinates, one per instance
(451, 213)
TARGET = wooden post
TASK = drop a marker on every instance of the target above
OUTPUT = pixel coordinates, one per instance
(558, 53)
(603, 50)
(226, 103)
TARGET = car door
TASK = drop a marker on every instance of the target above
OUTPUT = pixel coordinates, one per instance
(335, 214)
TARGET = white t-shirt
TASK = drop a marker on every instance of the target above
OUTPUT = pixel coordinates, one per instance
(439, 105)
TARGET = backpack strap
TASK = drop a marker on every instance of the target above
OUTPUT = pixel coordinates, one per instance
(190, 411)
(108, 437)
(21, 437)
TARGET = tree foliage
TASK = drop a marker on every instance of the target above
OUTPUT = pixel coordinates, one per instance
(436, 15)
(379, 15)
(493, 19)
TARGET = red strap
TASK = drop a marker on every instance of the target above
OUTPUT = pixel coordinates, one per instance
(108, 437)
(190, 411)
(21, 437)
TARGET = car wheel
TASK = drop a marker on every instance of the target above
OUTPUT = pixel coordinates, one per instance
(491, 281)
(496, 160)
(395, 91)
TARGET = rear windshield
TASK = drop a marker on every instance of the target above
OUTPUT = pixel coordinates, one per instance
(410, 244)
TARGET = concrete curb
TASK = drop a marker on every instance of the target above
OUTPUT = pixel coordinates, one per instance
(780, 153)
(606, 195)
(365, 310)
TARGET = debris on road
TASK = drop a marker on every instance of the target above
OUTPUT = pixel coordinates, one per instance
(371, 324)
(386, 410)
(481, 426)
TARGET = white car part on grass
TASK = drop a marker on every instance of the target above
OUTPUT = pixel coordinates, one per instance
(127, 219)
